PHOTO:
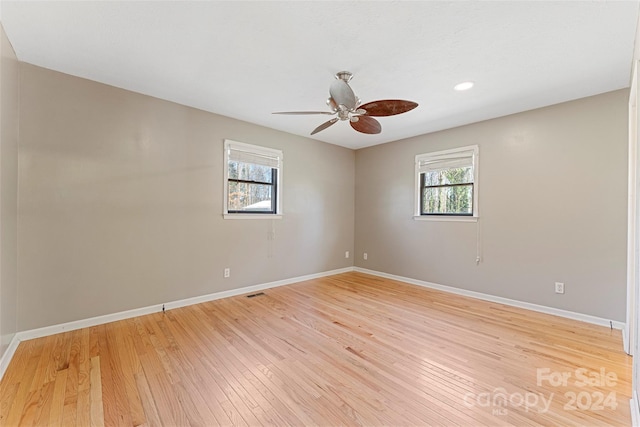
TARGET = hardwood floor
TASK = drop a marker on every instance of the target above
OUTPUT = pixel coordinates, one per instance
(350, 349)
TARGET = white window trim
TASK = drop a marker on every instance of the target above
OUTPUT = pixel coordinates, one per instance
(449, 218)
(251, 216)
(476, 186)
(225, 191)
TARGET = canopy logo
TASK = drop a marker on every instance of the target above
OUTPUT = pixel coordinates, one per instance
(499, 400)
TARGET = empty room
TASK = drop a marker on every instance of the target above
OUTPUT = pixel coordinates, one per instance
(416, 213)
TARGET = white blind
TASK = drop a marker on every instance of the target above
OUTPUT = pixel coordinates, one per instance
(254, 154)
(439, 162)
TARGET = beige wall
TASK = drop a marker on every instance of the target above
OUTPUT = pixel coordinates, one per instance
(553, 188)
(121, 203)
(9, 114)
(121, 200)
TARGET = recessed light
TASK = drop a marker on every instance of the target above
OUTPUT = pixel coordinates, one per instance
(463, 86)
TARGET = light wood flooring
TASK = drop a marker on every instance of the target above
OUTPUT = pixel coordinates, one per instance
(350, 349)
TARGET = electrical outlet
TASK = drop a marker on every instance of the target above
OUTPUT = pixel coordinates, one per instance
(227, 272)
(364, 256)
(346, 254)
(559, 288)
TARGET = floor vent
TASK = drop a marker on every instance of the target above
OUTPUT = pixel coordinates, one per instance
(255, 295)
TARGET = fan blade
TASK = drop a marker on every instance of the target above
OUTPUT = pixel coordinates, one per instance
(342, 94)
(324, 125)
(366, 124)
(388, 107)
(300, 113)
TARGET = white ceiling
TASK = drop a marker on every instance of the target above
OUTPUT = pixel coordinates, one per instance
(248, 59)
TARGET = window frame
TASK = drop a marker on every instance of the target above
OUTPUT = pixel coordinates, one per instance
(444, 155)
(258, 150)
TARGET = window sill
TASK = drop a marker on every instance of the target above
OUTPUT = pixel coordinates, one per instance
(252, 216)
(446, 218)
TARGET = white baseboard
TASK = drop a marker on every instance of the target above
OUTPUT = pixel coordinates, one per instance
(486, 297)
(108, 318)
(99, 320)
(625, 340)
(634, 407)
(8, 355)
(254, 288)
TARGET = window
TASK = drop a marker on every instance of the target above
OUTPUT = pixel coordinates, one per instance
(447, 183)
(252, 180)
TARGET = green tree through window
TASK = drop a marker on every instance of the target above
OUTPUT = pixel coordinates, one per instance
(448, 192)
(447, 182)
(252, 179)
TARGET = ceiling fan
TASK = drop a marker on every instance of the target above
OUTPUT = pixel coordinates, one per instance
(347, 106)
